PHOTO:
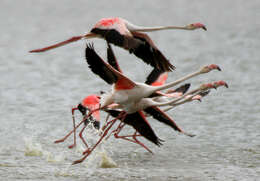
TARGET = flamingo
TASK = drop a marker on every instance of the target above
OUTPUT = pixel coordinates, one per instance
(123, 115)
(89, 103)
(110, 78)
(125, 91)
(122, 33)
(137, 121)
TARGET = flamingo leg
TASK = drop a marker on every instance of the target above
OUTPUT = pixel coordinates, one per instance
(81, 137)
(117, 130)
(106, 129)
(140, 143)
(134, 140)
(73, 39)
(76, 127)
(73, 120)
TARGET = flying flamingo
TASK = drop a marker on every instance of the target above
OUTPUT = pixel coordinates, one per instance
(122, 33)
(155, 75)
(92, 101)
(109, 78)
(123, 115)
(125, 91)
(140, 124)
(123, 87)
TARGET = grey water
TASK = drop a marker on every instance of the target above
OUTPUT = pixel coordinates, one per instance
(37, 91)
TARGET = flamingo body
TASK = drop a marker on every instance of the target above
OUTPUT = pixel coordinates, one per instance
(130, 94)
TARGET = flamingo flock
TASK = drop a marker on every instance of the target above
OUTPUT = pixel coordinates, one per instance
(131, 103)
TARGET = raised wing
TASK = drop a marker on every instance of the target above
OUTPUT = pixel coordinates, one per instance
(104, 70)
(111, 58)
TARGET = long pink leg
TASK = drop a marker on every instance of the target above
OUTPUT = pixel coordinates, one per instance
(125, 137)
(83, 120)
(73, 120)
(140, 143)
(73, 39)
(88, 151)
(117, 130)
(81, 137)
(110, 124)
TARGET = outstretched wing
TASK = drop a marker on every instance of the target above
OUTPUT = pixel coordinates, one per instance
(139, 44)
(150, 54)
(104, 70)
(111, 58)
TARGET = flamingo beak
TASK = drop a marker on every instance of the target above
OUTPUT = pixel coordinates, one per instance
(226, 85)
(214, 66)
(199, 25)
(204, 28)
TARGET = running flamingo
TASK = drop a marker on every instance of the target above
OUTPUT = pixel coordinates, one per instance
(89, 103)
(110, 79)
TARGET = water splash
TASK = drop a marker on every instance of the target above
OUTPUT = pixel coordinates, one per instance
(54, 158)
(106, 161)
(32, 149)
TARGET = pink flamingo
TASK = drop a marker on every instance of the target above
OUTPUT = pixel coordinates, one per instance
(89, 103)
(125, 91)
(109, 78)
(122, 33)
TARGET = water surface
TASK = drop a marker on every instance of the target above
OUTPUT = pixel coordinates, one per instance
(38, 90)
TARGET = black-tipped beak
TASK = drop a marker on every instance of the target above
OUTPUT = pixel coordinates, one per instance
(204, 28)
(219, 69)
(226, 85)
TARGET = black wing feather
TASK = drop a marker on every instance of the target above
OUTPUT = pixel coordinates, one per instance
(98, 67)
(150, 54)
(184, 88)
(140, 45)
(153, 76)
(156, 113)
(111, 58)
(139, 124)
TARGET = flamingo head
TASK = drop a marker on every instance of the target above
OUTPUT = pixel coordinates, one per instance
(90, 103)
(208, 68)
(220, 83)
(194, 26)
(207, 86)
